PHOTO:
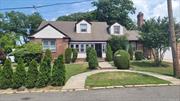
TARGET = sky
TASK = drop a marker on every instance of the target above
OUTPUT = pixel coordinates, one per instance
(150, 8)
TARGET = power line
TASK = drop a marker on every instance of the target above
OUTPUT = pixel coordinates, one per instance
(42, 6)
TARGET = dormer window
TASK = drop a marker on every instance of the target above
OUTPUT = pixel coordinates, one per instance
(116, 29)
(83, 27)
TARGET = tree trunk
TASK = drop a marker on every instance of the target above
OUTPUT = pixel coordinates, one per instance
(173, 40)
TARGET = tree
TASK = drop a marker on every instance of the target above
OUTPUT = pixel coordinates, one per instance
(92, 59)
(155, 36)
(68, 55)
(19, 24)
(7, 42)
(89, 16)
(48, 58)
(173, 40)
(109, 53)
(113, 11)
(32, 74)
(7, 74)
(43, 75)
(118, 42)
(19, 76)
(130, 51)
(58, 72)
(75, 54)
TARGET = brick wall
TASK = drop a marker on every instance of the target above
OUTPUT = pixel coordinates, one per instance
(61, 46)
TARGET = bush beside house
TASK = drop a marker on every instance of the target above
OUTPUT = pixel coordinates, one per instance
(92, 59)
(109, 53)
(2, 55)
(28, 52)
(68, 55)
(87, 53)
(75, 54)
(122, 59)
(130, 51)
(139, 55)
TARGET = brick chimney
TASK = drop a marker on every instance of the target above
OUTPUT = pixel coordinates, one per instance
(140, 19)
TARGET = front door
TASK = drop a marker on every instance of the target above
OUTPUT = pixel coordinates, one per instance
(98, 48)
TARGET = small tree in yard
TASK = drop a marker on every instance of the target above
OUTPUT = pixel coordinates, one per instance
(130, 51)
(87, 53)
(43, 75)
(19, 76)
(75, 54)
(32, 74)
(118, 42)
(68, 55)
(7, 74)
(48, 58)
(109, 53)
(92, 60)
(58, 72)
(155, 37)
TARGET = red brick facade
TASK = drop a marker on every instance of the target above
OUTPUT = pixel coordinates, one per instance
(61, 46)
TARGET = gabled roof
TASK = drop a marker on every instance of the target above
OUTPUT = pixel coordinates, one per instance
(98, 33)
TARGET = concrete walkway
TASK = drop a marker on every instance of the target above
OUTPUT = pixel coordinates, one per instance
(105, 65)
(77, 82)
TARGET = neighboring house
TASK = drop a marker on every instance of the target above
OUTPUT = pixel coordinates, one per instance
(59, 35)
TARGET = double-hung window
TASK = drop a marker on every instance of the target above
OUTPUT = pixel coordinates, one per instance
(116, 29)
(83, 27)
(49, 44)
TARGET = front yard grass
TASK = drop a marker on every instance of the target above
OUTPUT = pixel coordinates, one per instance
(74, 69)
(121, 79)
(148, 66)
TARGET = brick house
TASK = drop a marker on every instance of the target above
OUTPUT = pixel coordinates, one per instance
(59, 35)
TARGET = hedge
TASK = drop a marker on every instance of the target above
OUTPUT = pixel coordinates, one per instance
(75, 54)
(68, 55)
(109, 53)
(92, 59)
(139, 55)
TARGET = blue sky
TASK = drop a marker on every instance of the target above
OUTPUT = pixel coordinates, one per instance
(150, 8)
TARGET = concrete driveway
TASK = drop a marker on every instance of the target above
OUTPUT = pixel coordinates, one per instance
(163, 93)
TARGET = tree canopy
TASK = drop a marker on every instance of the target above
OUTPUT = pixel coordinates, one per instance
(110, 11)
(155, 36)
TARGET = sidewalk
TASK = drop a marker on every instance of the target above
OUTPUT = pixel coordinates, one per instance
(77, 82)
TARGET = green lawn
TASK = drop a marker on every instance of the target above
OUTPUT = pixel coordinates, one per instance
(121, 78)
(165, 69)
(73, 69)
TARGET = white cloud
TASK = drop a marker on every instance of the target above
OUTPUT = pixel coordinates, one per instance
(156, 8)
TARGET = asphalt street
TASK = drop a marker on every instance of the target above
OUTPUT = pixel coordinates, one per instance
(163, 93)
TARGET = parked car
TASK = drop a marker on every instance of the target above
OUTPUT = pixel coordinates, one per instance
(11, 57)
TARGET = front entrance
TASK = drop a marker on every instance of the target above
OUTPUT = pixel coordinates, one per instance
(98, 48)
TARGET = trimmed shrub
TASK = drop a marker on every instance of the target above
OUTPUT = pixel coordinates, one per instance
(32, 74)
(75, 54)
(87, 53)
(130, 51)
(109, 53)
(28, 52)
(58, 72)
(122, 59)
(139, 55)
(19, 76)
(68, 55)
(43, 75)
(92, 59)
(2, 55)
(7, 74)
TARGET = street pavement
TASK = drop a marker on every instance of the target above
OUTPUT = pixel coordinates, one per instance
(163, 93)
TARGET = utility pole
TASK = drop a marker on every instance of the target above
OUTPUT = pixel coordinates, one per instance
(173, 40)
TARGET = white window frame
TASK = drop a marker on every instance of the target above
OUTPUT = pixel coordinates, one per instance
(83, 30)
(49, 46)
(116, 31)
